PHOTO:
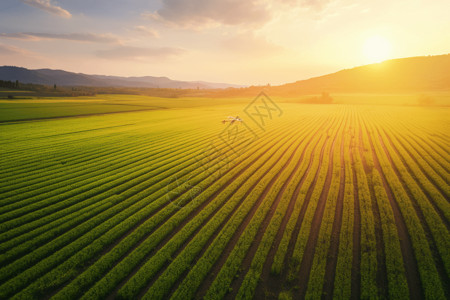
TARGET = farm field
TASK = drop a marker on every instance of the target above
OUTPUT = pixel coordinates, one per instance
(37, 108)
(304, 201)
(60, 107)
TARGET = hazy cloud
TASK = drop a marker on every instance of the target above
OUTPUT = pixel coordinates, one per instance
(79, 37)
(199, 13)
(250, 45)
(11, 50)
(48, 7)
(129, 52)
(315, 4)
(146, 31)
(203, 13)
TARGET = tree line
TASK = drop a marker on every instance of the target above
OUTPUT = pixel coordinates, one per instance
(9, 84)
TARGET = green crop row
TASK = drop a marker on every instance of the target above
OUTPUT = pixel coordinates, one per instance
(108, 281)
(427, 270)
(281, 252)
(397, 284)
(317, 274)
(200, 270)
(204, 237)
(49, 159)
(343, 273)
(231, 266)
(440, 233)
(98, 161)
(182, 262)
(21, 160)
(105, 233)
(285, 193)
(117, 133)
(431, 145)
(51, 230)
(416, 165)
(82, 152)
(227, 272)
(112, 185)
(92, 159)
(84, 182)
(424, 154)
(369, 264)
(305, 229)
(429, 167)
(111, 209)
(133, 203)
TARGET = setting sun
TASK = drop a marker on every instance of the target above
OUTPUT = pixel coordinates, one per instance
(376, 49)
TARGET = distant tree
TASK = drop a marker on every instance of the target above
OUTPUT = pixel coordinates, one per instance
(7, 84)
(325, 98)
(17, 83)
(425, 100)
(54, 86)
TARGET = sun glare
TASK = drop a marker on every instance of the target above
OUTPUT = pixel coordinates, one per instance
(376, 49)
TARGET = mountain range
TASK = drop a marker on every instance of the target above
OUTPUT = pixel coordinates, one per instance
(422, 73)
(65, 78)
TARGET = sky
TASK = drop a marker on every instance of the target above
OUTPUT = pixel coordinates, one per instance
(233, 41)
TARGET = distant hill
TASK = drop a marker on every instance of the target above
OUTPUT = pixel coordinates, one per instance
(64, 78)
(412, 74)
(424, 73)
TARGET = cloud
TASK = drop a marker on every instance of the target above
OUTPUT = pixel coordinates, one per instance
(313, 4)
(129, 52)
(146, 31)
(11, 50)
(48, 7)
(201, 13)
(247, 44)
(79, 37)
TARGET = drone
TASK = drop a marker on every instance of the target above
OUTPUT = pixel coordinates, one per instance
(232, 119)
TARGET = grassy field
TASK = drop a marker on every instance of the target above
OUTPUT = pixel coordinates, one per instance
(134, 197)
(36, 108)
